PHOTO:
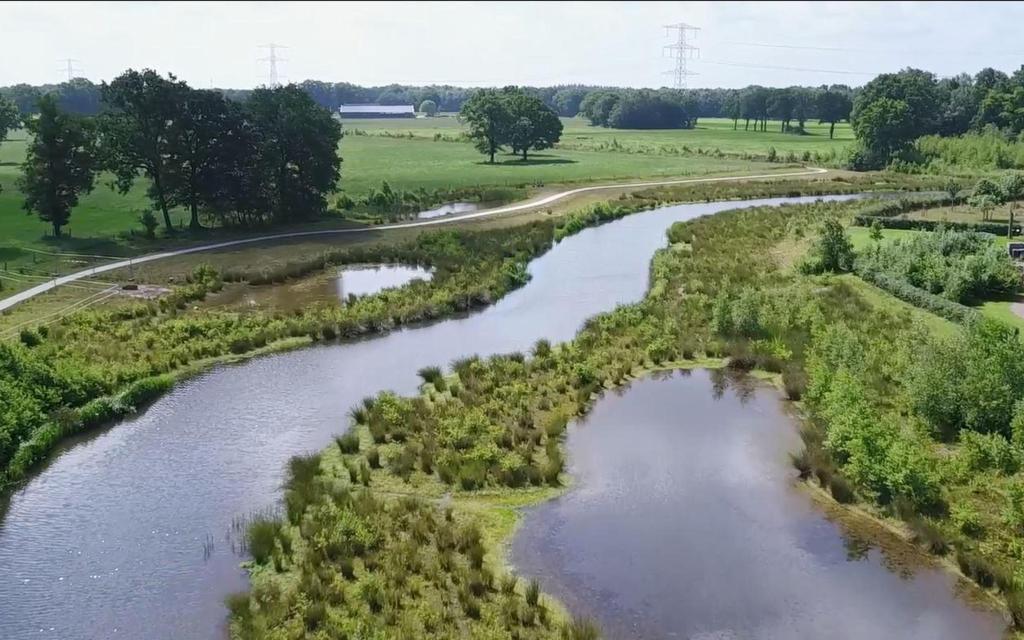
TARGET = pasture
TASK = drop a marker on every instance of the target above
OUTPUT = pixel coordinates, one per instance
(426, 153)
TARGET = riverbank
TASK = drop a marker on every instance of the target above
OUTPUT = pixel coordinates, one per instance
(499, 422)
(40, 434)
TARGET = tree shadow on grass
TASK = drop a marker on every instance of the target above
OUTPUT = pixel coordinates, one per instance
(100, 246)
(531, 161)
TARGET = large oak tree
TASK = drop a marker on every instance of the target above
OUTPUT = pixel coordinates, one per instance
(138, 133)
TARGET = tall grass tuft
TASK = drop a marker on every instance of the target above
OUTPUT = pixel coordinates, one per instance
(348, 442)
(261, 536)
(581, 629)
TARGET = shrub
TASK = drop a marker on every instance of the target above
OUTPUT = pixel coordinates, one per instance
(967, 520)
(261, 537)
(29, 337)
(841, 489)
(348, 443)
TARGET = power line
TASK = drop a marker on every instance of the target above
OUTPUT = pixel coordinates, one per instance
(273, 59)
(682, 50)
(771, 45)
(785, 68)
(71, 68)
(791, 46)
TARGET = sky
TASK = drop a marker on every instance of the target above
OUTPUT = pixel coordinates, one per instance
(490, 43)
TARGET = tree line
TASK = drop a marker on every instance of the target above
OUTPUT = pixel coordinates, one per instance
(272, 158)
(83, 97)
(895, 109)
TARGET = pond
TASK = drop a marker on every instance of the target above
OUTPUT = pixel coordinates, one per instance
(366, 280)
(685, 521)
(449, 209)
(328, 287)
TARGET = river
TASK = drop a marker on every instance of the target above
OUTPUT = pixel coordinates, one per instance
(128, 531)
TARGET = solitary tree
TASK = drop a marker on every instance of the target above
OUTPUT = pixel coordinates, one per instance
(60, 164)
(834, 249)
(489, 120)
(138, 133)
(429, 107)
(986, 196)
(534, 124)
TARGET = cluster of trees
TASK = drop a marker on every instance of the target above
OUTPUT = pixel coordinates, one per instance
(510, 117)
(640, 109)
(793, 104)
(273, 157)
(677, 109)
(894, 109)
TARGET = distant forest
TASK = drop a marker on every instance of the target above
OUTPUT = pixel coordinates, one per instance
(82, 96)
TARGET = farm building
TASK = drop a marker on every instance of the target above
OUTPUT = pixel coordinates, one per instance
(377, 111)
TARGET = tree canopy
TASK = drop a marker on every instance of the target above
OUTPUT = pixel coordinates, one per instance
(510, 117)
(138, 131)
(9, 117)
(429, 107)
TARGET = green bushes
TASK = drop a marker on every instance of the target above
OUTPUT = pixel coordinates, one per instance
(986, 150)
(130, 352)
(929, 225)
(962, 266)
(348, 443)
(907, 292)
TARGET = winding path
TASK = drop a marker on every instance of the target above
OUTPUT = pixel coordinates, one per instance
(28, 294)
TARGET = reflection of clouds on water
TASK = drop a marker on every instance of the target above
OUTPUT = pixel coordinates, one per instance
(364, 281)
(683, 521)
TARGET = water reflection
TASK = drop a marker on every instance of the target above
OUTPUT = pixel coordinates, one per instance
(450, 209)
(684, 521)
(362, 281)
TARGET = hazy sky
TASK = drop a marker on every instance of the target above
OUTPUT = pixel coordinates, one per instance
(465, 43)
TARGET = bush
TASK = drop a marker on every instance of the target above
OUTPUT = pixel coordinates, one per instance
(919, 297)
(149, 223)
(348, 443)
(30, 337)
(841, 490)
(261, 537)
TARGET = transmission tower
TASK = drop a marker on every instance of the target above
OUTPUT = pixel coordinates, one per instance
(272, 58)
(682, 51)
(69, 67)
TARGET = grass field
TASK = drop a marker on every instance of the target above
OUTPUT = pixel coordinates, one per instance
(102, 222)
(710, 135)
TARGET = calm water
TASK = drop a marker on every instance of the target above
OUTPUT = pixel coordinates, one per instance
(685, 522)
(125, 534)
(362, 281)
(450, 209)
(322, 288)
